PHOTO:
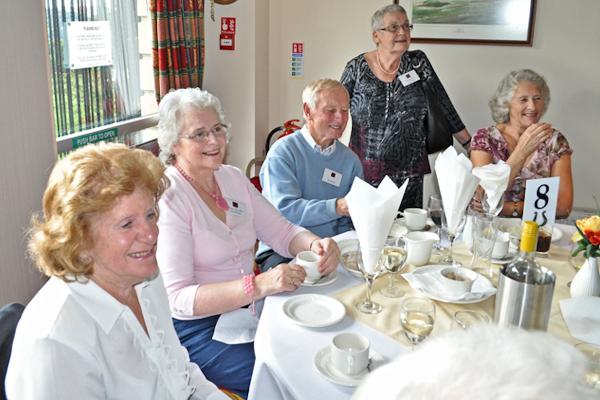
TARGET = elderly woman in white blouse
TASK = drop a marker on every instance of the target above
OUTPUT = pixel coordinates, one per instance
(100, 328)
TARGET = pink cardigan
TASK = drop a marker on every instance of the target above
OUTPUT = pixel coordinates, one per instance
(195, 247)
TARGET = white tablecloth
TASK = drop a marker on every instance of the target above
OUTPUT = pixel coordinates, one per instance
(285, 351)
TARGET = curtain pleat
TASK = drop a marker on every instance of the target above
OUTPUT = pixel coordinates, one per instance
(177, 44)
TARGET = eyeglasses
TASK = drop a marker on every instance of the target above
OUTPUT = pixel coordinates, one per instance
(219, 131)
(395, 28)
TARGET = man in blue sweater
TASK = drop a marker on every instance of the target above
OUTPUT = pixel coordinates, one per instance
(307, 174)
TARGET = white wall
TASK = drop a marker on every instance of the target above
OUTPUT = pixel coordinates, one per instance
(565, 50)
(239, 77)
(27, 150)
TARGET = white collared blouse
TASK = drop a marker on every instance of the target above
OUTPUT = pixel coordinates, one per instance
(75, 341)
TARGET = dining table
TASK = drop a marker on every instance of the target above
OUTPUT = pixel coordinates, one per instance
(287, 352)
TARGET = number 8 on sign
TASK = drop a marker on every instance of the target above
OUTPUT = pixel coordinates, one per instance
(541, 196)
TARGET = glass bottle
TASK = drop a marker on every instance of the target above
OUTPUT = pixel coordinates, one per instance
(524, 268)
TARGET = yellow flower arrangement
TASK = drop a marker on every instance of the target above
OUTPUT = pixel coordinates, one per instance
(587, 236)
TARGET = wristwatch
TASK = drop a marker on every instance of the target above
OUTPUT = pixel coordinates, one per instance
(515, 211)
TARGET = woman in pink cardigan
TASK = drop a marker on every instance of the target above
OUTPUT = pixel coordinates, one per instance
(210, 219)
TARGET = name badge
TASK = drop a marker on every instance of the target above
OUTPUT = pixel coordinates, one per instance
(236, 207)
(541, 196)
(409, 78)
(332, 177)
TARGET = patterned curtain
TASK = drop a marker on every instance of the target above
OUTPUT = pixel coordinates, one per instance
(177, 44)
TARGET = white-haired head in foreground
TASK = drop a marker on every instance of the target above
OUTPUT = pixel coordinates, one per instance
(483, 363)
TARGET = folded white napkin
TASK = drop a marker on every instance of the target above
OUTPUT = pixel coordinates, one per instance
(493, 178)
(432, 282)
(457, 185)
(235, 327)
(582, 318)
(373, 211)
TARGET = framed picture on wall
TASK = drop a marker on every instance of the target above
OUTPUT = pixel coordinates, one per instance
(503, 22)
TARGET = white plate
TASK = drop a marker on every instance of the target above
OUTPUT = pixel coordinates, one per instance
(556, 234)
(322, 362)
(323, 281)
(481, 283)
(347, 246)
(314, 310)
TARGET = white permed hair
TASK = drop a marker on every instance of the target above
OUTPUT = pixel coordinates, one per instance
(172, 106)
(377, 18)
(500, 102)
(483, 363)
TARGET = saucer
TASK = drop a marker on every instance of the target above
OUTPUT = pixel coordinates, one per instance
(322, 363)
(322, 281)
(347, 258)
(400, 226)
(314, 310)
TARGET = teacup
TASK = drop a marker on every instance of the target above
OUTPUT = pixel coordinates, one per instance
(310, 262)
(458, 280)
(415, 218)
(350, 353)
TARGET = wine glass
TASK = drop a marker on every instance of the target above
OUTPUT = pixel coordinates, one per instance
(466, 319)
(495, 209)
(453, 233)
(370, 269)
(394, 260)
(436, 209)
(417, 315)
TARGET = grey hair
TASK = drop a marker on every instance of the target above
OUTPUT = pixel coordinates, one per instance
(310, 92)
(377, 18)
(493, 363)
(172, 106)
(500, 102)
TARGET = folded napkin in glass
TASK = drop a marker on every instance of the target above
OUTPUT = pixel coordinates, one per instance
(235, 327)
(582, 318)
(431, 281)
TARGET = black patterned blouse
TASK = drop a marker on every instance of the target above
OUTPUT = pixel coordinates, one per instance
(388, 122)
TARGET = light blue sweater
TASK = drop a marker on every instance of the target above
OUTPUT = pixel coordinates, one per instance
(292, 180)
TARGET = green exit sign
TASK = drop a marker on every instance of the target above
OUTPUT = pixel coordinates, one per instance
(94, 137)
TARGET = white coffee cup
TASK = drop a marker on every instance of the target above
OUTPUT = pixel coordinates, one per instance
(501, 245)
(415, 218)
(310, 262)
(350, 353)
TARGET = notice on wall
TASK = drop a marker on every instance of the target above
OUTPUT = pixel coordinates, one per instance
(297, 60)
(95, 137)
(227, 36)
(89, 44)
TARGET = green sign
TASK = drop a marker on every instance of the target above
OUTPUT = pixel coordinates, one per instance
(94, 137)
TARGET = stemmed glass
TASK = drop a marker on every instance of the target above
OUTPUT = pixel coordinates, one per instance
(436, 209)
(466, 319)
(394, 260)
(368, 306)
(417, 316)
(452, 235)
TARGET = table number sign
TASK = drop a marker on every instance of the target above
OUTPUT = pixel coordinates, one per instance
(541, 196)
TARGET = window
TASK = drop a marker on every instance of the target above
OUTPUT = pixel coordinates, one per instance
(101, 70)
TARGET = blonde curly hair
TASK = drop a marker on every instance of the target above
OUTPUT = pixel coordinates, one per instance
(84, 184)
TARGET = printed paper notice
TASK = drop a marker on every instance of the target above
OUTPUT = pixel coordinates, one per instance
(297, 61)
(89, 44)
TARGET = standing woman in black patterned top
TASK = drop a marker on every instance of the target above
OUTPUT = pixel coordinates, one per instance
(389, 108)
